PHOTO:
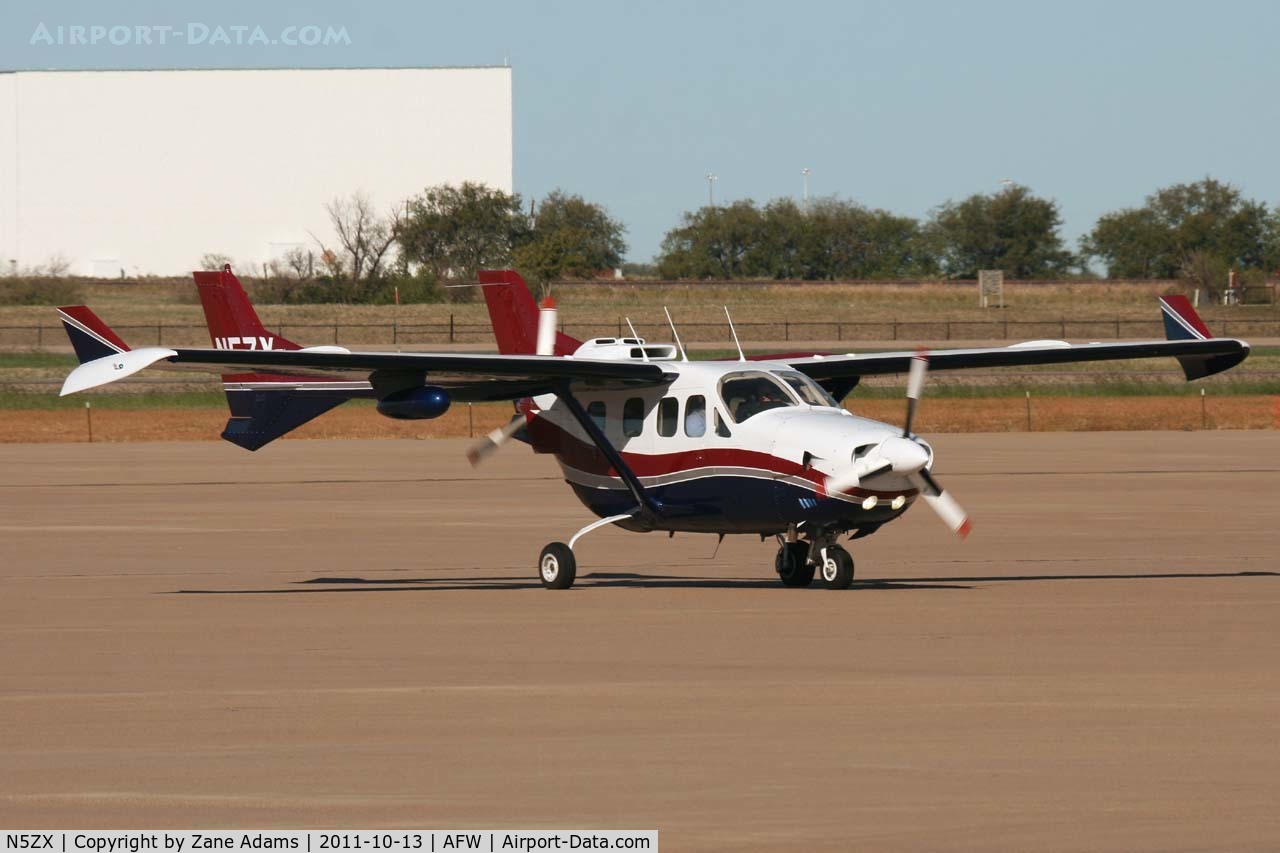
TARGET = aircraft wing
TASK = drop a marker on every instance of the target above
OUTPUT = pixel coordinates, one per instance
(1199, 358)
(467, 377)
(1186, 338)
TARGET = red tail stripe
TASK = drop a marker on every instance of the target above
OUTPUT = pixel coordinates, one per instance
(1181, 306)
(90, 321)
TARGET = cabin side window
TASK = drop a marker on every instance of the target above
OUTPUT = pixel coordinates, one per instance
(633, 417)
(598, 413)
(668, 415)
(695, 416)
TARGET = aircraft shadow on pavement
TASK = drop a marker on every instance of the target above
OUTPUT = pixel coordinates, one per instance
(651, 581)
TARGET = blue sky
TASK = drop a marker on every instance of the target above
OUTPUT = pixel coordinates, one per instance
(897, 105)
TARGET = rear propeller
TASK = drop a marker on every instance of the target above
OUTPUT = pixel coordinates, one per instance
(487, 446)
(907, 457)
(545, 344)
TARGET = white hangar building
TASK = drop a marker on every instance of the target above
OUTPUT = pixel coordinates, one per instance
(147, 171)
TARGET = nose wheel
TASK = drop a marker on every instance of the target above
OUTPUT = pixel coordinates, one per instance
(836, 567)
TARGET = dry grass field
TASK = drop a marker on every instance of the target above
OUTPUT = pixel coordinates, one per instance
(138, 302)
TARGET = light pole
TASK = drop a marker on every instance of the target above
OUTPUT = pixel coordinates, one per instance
(712, 177)
(805, 174)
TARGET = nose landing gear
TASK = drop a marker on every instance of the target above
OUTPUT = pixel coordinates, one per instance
(837, 567)
(798, 561)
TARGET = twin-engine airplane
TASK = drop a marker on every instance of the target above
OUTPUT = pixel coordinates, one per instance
(647, 439)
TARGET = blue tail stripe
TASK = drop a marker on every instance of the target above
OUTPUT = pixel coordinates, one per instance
(88, 346)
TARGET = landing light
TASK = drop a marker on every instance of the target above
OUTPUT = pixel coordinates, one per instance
(898, 502)
(870, 503)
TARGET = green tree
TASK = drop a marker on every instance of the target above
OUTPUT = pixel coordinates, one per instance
(1201, 226)
(713, 242)
(570, 236)
(1011, 230)
(1132, 244)
(849, 241)
(552, 256)
(833, 239)
(455, 231)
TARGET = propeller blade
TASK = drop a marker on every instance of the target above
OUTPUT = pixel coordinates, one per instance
(941, 502)
(915, 386)
(487, 446)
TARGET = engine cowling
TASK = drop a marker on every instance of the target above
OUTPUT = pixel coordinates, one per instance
(415, 404)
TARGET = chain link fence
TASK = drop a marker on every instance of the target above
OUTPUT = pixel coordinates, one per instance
(51, 336)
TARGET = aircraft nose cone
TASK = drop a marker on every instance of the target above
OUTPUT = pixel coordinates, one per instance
(905, 455)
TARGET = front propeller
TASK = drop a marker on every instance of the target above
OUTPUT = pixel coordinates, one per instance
(906, 457)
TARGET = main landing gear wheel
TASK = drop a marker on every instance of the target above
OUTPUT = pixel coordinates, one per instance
(792, 564)
(556, 566)
(837, 568)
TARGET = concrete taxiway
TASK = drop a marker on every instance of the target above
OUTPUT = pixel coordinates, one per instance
(350, 634)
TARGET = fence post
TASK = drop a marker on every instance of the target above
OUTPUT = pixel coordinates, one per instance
(1006, 328)
(948, 330)
(160, 334)
(1028, 411)
(1117, 327)
(619, 327)
(1063, 323)
(395, 332)
(450, 327)
(839, 331)
(786, 330)
(335, 334)
(40, 335)
(895, 329)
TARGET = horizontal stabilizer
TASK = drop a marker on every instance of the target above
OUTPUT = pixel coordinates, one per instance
(259, 417)
(112, 368)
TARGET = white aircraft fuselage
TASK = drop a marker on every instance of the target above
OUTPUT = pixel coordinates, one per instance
(718, 458)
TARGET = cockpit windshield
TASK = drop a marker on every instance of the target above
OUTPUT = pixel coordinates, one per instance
(808, 391)
(749, 393)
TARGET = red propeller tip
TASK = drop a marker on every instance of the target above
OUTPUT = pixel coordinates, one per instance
(964, 528)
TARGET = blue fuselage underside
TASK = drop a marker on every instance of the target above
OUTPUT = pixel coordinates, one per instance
(729, 504)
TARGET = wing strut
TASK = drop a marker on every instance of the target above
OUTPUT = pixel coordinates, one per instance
(644, 501)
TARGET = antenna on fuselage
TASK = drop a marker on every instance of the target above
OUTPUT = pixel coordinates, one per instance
(683, 355)
(734, 332)
(644, 355)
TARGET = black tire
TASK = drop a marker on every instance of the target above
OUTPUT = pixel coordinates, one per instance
(792, 564)
(557, 567)
(837, 569)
